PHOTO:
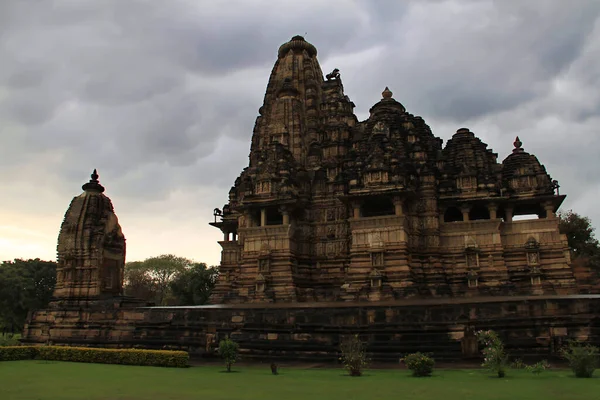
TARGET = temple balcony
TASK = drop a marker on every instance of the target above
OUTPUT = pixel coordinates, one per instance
(272, 237)
(377, 232)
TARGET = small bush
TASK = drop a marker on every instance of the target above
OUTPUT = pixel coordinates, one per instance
(538, 367)
(354, 355)
(518, 364)
(495, 358)
(9, 340)
(583, 358)
(157, 358)
(228, 350)
(14, 353)
(420, 364)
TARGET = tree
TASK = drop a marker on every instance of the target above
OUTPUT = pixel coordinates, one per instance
(25, 285)
(151, 279)
(163, 270)
(580, 236)
(194, 285)
(228, 350)
(138, 283)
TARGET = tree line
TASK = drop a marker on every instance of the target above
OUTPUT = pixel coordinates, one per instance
(27, 285)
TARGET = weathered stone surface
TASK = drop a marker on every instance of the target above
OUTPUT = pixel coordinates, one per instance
(333, 209)
(531, 326)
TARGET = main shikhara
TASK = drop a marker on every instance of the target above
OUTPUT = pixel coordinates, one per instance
(335, 209)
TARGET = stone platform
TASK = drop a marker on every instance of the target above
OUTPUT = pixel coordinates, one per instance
(532, 326)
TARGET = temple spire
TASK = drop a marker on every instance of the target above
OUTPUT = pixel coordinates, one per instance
(387, 93)
(93, 185)
(518, 146)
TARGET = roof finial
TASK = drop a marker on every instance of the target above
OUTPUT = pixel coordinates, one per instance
(387, 93)
(517, 143)
(93, 185)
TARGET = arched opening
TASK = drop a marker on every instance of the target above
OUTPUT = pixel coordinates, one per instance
(274, 217)
(377, 206)
(255, 218)
(453, 214)
(479, 212)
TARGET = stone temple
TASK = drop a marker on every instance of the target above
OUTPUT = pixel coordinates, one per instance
(340, 226)
(91, 249)
(333, 209)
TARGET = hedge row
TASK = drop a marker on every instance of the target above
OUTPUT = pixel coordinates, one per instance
(157, 358)
(14, 353)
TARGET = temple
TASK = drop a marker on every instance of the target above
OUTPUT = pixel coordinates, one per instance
(343, 227)
(91, 249)
(333, 209)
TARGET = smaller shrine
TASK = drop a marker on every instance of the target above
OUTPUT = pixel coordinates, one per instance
(91, 250)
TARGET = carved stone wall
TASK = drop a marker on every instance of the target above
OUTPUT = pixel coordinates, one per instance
(531, 327)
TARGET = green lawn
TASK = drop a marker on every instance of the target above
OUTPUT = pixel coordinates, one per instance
(57, 380)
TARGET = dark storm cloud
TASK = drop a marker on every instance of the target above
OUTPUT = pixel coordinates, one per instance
(162, 97)
(474, 58)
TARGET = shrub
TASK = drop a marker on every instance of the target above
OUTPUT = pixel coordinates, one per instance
(583, 358)
(157, 358)
(354, 355)
(538, 367)
(420, 364)
(228, 350)
(518, 364)
(9, 340)
(495, 358)
(14, 353)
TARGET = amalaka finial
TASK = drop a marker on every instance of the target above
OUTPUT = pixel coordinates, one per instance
(517, 143)
(93, 185)
(387, 93)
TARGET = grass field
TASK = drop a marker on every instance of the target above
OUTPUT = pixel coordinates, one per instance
(57, 380)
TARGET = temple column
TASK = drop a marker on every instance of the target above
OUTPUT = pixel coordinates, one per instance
(493, 209)
(285, 215)
(263, 217)
(399, 211)
(465, 212)
(508, 214)
(549, 207)
(225, 236)
(356, 209)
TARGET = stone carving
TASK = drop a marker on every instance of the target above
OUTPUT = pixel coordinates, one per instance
(335, 74)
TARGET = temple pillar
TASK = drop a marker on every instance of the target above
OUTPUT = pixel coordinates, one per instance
(285, 214)
(508, 214)
(398, 207)
(465, 212)
(493, 209)
(225, 236)
(356, 209)
(263, 217)
(549, 207)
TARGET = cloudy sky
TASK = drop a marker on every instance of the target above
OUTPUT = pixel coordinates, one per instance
(161, 97)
